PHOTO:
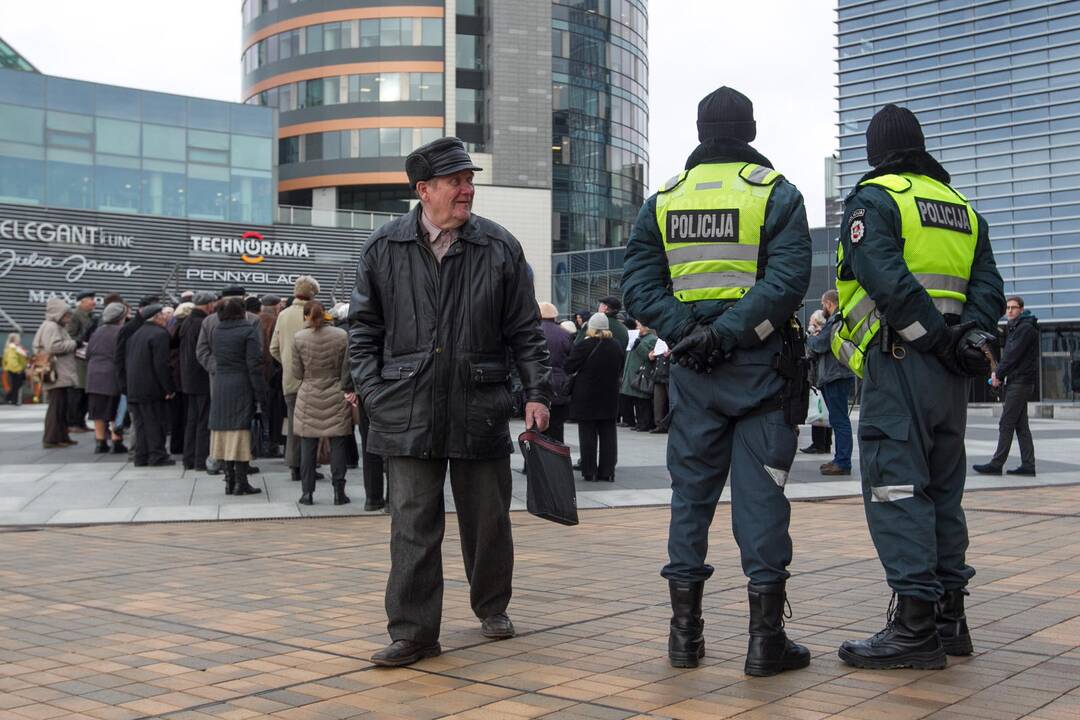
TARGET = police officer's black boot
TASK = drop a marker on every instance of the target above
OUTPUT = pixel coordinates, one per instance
(952, 623)
(769, 651)
(340, 498)
(686, 643)
(909, 640)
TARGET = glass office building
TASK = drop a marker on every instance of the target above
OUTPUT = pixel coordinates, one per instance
(81, 145)
(599, 143)
(996, 85)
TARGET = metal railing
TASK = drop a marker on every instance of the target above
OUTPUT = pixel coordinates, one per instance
(351, 219)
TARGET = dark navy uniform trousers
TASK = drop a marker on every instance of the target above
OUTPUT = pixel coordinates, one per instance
(911, 441)
(717, 429)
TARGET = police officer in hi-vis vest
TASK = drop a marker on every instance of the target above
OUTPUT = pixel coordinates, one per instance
(919, 296)
(718, 261)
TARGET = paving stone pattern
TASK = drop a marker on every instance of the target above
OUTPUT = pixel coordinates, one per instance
(277, 618)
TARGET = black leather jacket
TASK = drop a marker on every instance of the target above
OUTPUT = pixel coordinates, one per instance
(430, 345)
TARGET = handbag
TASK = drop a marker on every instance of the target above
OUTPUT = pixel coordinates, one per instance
(645, 378)
(551, 492)
(568, 389)
(43, 368)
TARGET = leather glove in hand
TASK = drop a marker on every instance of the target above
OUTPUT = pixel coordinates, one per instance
(946, 349)
(699, 350)
(978, 352)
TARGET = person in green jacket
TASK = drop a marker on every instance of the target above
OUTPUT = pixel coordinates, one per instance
(636, 359)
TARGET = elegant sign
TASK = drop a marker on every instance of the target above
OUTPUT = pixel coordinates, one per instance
(62, 233)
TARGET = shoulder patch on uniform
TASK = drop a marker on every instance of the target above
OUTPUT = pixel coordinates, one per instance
(672, 182)
(759, 174)
(857, 214)
(858, 231)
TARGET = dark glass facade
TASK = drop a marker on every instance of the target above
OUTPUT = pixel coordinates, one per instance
(599, 142)
(996, 86)
(73, 144)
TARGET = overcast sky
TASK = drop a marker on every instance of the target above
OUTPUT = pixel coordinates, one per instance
(777, 52)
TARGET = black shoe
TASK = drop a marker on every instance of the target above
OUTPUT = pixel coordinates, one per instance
(1025, 470)
(770, 651)
(230, 478)
(606, 479)
(405, 652)
(813, 450)
(102, 447)
(686, 641)
(118, 447)
(294, 474)
(164, 462)
(497, 627)
(588, 478)
(242, 485)
(658, 431)
(319, 475)
(252, 470)
(373, 505)
(909, 640)
(340, 498)
(987, 469)
(952, 623)
(306, 499)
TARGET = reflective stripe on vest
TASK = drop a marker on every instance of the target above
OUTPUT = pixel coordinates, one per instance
(939, 231)
(711, 220)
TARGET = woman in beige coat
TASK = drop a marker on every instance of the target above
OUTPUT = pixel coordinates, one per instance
(322, 404)
(52, 339)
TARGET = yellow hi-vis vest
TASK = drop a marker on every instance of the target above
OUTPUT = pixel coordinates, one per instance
(939, 232)
(711, 219)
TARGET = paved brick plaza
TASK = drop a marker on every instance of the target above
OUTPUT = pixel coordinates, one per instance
(277, 618)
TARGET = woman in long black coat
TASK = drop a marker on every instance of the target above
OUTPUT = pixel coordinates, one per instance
(237, 386)
(594, 403)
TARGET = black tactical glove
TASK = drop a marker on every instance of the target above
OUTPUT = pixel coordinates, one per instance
(946, 347)
(978, 353)
(700, 349)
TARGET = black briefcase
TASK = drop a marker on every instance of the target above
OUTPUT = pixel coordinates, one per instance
(550, 477)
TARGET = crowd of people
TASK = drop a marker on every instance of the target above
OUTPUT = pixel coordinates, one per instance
(219, 379)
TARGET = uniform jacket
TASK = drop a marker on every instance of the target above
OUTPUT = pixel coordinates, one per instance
(52, 338)
(877, 262)
(79, 327)
(828, 367)
(204, 348)
(101, 361)
(430, 343)
(320, 364)
(194, 380)
(237, 381)
(559, 343)
(149, 378)
(784, 272)
(289, 322)
(599, 374)
(1019, 358)
(638, 356)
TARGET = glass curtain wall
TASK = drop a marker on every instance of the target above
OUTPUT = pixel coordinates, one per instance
(73, 144)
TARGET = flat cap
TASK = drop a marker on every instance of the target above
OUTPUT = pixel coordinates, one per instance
(270, 300)
(147, 300)
(205, 297)
(151, 310)
(444, 156)
(86, 294)
(613, 303)
(233, 291)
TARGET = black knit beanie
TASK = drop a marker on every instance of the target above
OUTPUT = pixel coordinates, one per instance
(892, 129)
(726, 113)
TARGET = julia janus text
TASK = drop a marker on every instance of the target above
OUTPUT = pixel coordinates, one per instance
(76, 266)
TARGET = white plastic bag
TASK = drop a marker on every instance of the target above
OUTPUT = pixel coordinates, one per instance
(818, 414)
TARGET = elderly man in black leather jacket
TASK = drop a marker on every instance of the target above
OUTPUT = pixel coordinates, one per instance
(443, 300)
